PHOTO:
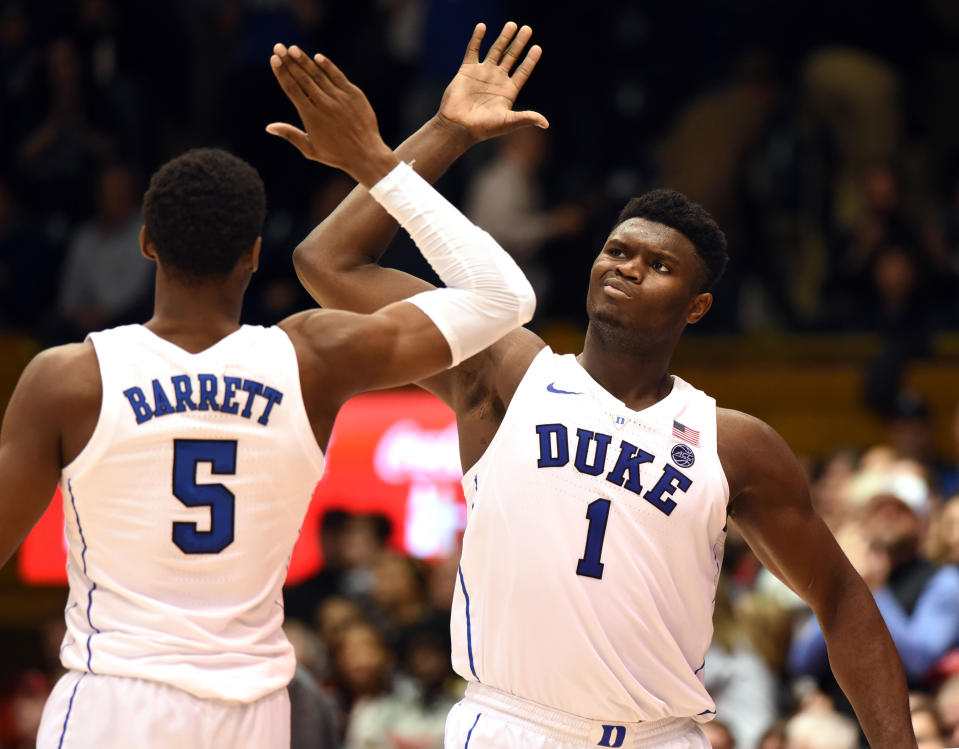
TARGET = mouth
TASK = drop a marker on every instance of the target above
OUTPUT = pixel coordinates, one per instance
(616, 288)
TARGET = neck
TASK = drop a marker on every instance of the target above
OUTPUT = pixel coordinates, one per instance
(195, 316)
(635, 373)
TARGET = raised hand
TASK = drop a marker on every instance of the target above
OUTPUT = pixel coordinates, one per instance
(339, 124)
(480, 97)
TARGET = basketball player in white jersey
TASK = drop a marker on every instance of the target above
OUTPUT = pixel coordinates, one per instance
(187, 448)
(598, 486)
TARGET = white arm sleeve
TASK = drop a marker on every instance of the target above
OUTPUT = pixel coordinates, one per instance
(487, 294)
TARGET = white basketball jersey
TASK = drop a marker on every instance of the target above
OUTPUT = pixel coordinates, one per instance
(592, 550)
(182, 511)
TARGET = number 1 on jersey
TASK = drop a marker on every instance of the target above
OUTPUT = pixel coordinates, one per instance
(597, 512)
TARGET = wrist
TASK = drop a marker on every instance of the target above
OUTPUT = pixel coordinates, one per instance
(374, 166)
(453, 133)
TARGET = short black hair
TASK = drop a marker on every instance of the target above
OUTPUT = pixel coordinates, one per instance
(675, 210)
(203, 210)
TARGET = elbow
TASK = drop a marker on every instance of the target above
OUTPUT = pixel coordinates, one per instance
(301, 261)
(526, 303)
(313, 276)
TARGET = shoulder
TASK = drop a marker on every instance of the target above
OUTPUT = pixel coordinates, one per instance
(61, 369)
(61, 381)
(318, 331)
(754, 454)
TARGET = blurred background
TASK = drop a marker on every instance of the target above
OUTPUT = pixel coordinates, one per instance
(822, 137)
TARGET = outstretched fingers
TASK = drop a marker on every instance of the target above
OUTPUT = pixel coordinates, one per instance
(311, 70)
(515, 48)
(526, 67)
(473, 48)
(495, 53)
(286, 80)
(333, 73)
(294, 64)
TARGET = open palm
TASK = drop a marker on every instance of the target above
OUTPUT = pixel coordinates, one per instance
(480, 98)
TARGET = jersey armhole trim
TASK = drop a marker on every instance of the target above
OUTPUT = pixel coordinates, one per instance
(510, 408)
(307, 440)
(97, 443)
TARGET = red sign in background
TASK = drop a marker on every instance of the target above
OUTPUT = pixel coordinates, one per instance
(394, 453)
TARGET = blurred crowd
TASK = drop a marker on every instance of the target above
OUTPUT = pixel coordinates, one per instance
(371, 627)
(826, 151)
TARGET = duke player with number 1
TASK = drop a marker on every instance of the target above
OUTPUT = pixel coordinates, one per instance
(187, 448)
(598, 486)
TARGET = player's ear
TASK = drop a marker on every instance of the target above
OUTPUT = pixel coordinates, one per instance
(146, 246)
(255, 254)
(699, 307)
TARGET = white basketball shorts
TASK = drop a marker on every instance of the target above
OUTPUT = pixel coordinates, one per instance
(93, 711)
(487, 718)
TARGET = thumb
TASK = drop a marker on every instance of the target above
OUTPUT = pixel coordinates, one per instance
(528, 118)
(291, 134)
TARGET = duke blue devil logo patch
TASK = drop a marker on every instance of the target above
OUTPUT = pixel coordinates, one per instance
(683, 456)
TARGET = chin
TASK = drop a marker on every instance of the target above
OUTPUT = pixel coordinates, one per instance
(605, 317)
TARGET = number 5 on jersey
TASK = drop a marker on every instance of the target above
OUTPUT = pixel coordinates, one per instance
(221, 455)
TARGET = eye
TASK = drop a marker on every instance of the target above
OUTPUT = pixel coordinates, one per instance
(660, 267)
(614, 251)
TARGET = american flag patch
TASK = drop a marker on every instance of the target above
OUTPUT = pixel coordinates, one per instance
(686, 434)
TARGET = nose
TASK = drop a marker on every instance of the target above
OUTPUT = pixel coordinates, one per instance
(631, 270)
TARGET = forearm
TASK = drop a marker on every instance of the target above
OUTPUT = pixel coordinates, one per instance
(487, 294)
(358, 232)
(867, 667)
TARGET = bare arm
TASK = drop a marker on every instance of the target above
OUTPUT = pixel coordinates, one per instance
(769, 501)
(31, 443)
(337, 262)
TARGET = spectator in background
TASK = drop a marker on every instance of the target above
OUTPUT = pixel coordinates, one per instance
(23, 710)
(505, 198)
(275, 292)
(313, 719)
(442, 579)
(106, 280)
(918, 601)
(362, 667)
(399, 590)
(945, 540)
(948, 478)
(57, 156)
(774, 737)
(719, 735)
(302, 600)
(737, 677)
(947, 708)
(925, 721)
(413, 714)
(364, 539)
(20, 59)
(821, 729)
(26, 264)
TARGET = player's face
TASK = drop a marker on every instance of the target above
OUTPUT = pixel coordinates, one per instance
(647, 277)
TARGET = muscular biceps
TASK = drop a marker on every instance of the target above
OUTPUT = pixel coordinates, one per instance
(772, 508)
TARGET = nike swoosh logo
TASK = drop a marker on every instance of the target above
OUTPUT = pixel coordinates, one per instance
(551, 388)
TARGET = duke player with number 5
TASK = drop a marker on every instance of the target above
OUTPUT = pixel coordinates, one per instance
(598, 486)
(187, 448)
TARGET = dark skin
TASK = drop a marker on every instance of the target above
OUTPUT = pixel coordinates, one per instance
(54, 409)
(645, 286)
